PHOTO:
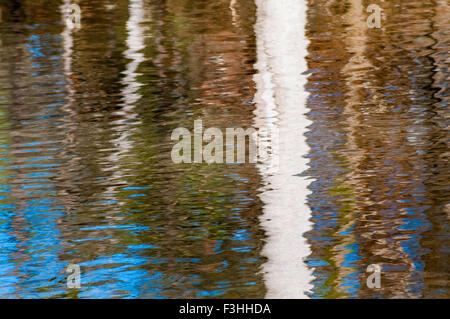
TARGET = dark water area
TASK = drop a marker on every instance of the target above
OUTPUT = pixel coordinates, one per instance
(87, 178)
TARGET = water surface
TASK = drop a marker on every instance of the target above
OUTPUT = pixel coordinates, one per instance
(86, 175)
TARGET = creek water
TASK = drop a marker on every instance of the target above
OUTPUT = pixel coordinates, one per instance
(86, 175)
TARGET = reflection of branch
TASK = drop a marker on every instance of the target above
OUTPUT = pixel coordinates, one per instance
(69, 136)
(234, 13)
(356, 70)
(327, 6)
(130, 92)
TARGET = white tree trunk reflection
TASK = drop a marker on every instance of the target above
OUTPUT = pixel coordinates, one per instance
(281, 104)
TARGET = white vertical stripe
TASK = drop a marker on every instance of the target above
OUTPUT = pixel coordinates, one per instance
(281, 104)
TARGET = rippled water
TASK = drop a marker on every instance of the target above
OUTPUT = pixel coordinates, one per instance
(86, 175)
